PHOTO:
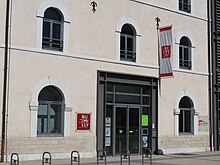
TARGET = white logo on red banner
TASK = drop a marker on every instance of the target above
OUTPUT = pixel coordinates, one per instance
(83, 121)
(166, 51)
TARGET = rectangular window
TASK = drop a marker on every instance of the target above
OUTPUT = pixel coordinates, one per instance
(185, 5)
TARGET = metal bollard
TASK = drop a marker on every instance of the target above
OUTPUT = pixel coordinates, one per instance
(101, 156)
(75, 157)
(46, 158)
(125, 155)
(146, 153)
(14, 159)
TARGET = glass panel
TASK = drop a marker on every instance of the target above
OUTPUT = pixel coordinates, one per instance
(146, 100)
(56, 31)
(180, 53)
(55, 118)
(42, 119)
(134, 130)
(52, 14)
(121, 132)
(145, 126)
(185, 103)
(186, 54)
(184, 41)
(125, 88)
(110, 87)
(127, 99)
(50, 93)
(146, 90)
(109, 98)
(108, 129)
(219, 129)
(181, 121)
(127, 29)
(130, 44)
(46, 29)
(122, 46)
(187, 121)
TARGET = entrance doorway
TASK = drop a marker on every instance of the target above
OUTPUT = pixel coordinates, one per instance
(127, 113)
(127, 136)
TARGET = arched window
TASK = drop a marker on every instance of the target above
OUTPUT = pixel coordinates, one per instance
(185, 57)
(186, 116)
(50, 116)
(52, 38)
(128, 43)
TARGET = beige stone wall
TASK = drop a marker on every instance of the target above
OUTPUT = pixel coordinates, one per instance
(184, 143)
(94, 35)
(92, 48)
(33, 148)
(51, 144)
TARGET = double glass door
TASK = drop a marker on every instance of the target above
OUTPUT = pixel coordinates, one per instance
(127, 135)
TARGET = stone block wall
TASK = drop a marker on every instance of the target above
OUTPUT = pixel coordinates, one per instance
(59, 147)
(183, 143)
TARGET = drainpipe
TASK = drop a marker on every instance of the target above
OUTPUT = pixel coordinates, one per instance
(5, 81)
(210, 65)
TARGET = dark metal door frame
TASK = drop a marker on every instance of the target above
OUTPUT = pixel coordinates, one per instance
(127, 107)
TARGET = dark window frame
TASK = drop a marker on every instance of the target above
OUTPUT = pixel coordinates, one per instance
(185, 54)
(125, 39)
(49, 41)
(186, 118)
(59, 118)
(185, 5)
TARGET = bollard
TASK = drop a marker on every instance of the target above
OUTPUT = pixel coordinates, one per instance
(101, 156)
(75, 157)
(146, 153)
(46, 158)
(14, 159)
(125, 155)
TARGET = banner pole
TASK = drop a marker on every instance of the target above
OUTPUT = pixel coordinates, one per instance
(158, 51)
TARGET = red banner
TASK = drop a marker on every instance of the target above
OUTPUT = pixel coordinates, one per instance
(83, 121)
(166, 51)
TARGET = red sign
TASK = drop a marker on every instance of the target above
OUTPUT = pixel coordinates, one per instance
(83, 121)
(166, 51)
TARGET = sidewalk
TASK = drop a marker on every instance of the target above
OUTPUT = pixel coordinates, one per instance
(204, 158)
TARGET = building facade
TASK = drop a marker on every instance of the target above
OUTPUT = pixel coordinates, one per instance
(215, 68)
(85, 76)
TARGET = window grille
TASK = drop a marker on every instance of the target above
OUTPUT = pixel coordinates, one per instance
(128, 44)
(52, 38)
(185, 5)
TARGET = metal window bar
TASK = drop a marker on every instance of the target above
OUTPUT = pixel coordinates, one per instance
(185, 6)
(185, 64)
(128, 55)
(101, 156)
(14, 159)
(46, 158)
(75, 157)
(146, 153)
(52, 43)
(125, 155)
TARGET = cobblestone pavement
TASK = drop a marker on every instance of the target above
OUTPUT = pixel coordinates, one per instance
(204, 158)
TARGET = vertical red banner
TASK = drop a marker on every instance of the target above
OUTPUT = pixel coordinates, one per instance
(166, 51)
(83, 121)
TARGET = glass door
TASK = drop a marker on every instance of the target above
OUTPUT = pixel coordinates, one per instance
(134, 131)
(127, 135)
(121, 130)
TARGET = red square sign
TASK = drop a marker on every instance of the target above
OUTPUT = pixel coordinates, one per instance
(166, 51)
(83, 121)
